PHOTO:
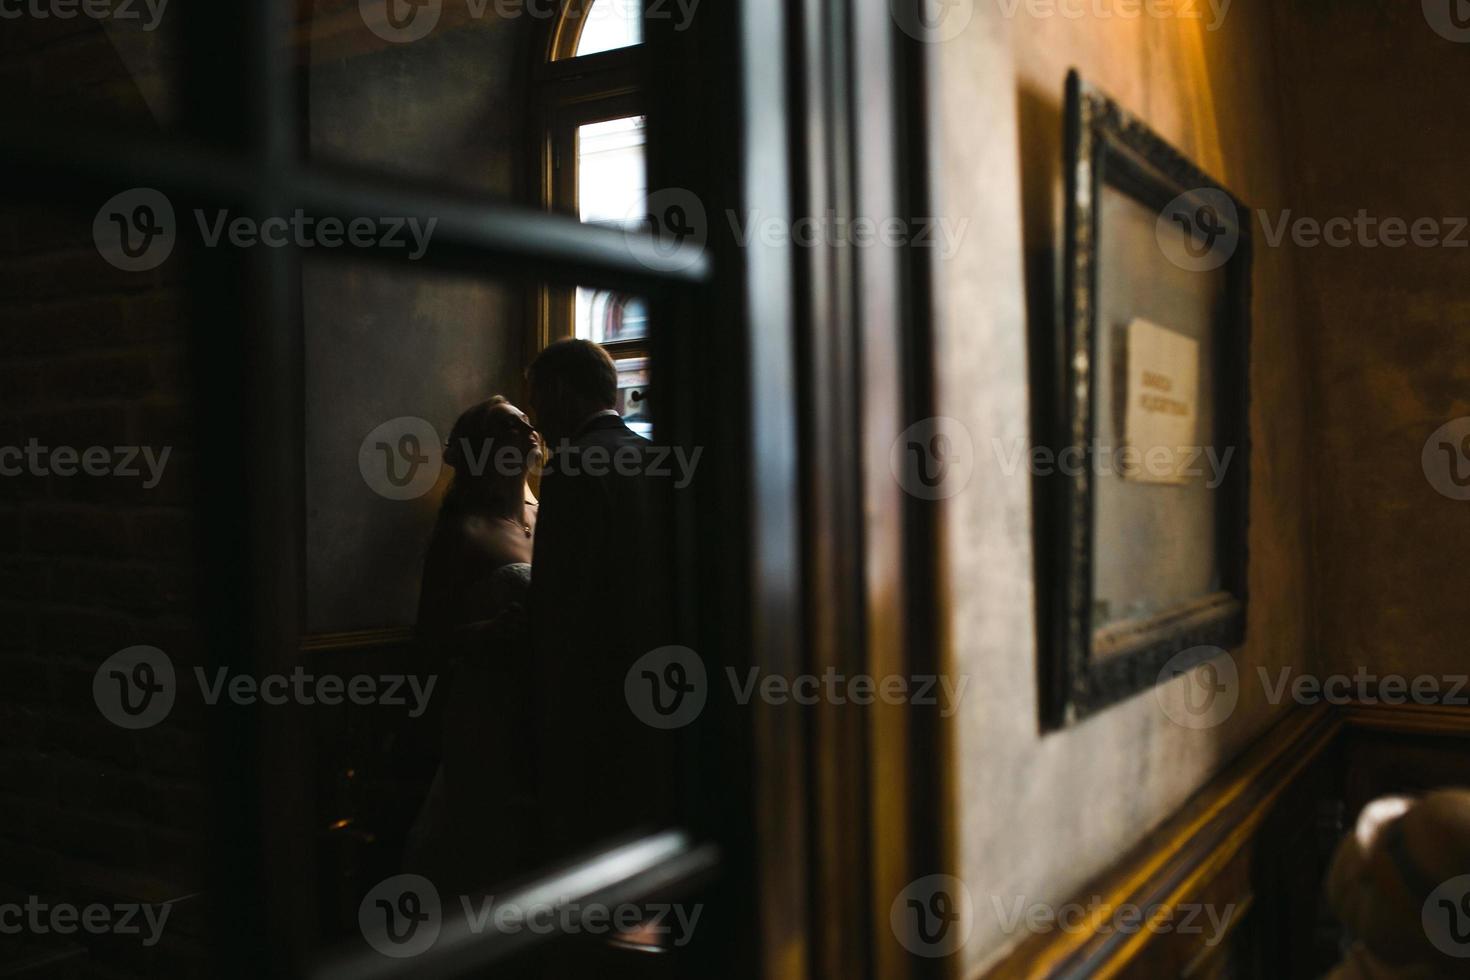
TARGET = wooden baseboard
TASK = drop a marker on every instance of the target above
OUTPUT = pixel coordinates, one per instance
(357, 639)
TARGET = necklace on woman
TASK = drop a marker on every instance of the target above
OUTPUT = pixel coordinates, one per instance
(523, 525)
(520, 524)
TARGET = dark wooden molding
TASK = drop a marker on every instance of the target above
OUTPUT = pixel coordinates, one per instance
(1410, 719)
(357, 639)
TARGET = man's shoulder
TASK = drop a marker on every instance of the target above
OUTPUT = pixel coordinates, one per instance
(610, 431)
(604, 453)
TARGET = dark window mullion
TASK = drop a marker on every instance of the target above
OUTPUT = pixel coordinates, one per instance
(626, 348)
(239, 103)
(662, 865)
(466, 234)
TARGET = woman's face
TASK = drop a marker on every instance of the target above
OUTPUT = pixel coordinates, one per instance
(515, 429)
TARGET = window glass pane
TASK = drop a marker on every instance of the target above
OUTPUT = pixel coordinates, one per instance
(633, 394)
(610, 24)
(428, 504)
(605, 316)
(612, 170)
(611, 189)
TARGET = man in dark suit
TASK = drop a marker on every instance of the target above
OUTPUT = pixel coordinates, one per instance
(598, 602)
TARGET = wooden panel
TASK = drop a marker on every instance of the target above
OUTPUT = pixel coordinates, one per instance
(1201, 944)
(1177, 862)
(1255, 842)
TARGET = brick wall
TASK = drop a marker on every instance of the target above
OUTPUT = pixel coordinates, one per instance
(92, 356)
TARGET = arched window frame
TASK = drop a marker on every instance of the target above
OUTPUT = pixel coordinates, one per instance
(573, 91)
(567, 28)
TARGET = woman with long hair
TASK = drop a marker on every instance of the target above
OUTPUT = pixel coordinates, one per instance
(472, 606)
(488, 519)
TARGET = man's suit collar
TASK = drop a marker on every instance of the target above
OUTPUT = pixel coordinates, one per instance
(608, 419)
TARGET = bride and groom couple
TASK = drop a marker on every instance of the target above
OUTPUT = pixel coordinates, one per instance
(541, 607)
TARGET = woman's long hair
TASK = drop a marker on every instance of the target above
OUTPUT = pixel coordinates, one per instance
(476, 427)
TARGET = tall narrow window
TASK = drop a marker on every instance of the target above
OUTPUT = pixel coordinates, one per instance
(611, 185)
(598, 170)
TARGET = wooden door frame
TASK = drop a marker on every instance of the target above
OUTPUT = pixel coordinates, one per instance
(846, 806)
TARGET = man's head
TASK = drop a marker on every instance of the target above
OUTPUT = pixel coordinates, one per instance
(571, 381)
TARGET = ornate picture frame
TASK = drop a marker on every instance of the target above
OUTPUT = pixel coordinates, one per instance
(1196, 269)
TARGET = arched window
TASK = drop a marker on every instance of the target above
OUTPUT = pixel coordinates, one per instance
(595, 166)
(588, 27)
(609, 25)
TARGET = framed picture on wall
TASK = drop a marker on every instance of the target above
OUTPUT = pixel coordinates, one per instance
(1143, 553)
